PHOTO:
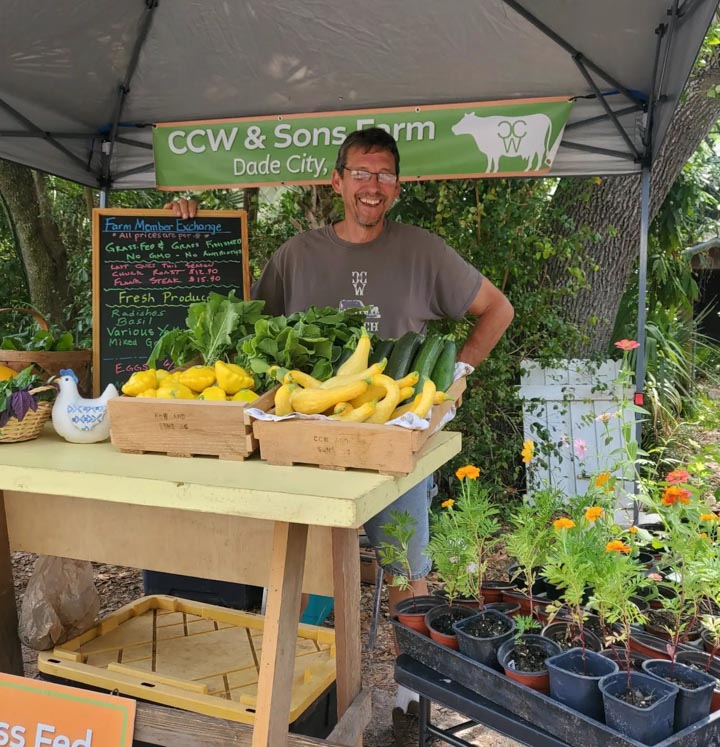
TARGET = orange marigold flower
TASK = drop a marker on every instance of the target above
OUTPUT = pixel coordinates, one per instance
(708, 517)
(703, 535)
(673, 494)
(678, 475)
(528, 450)
(469, 471)
(632, 530)
(449, 503)
(563, 523)
(593, 513)
(617, 546)
(627, 345)
(602, 479)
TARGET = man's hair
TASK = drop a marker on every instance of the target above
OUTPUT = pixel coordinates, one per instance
(370, 139)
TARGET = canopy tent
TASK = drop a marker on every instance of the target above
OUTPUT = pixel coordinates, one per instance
(82, 82)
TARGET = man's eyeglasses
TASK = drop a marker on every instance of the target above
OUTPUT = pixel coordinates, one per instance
(361, 175)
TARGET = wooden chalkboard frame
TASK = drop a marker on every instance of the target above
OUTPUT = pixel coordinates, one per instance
(97, 214)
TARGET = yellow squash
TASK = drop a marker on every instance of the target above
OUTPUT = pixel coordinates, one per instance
(282, 399)
(356, 414)
(422, 408)
(214, 393)
(7, 373)
(315, 401)
(139, 382)
(303, 379)
(366, 373)
(197, 378)
(389, 402)
(358, 361)
(174, 390)
(232, 378)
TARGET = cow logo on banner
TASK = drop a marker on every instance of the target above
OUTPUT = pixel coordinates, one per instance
(455, 141)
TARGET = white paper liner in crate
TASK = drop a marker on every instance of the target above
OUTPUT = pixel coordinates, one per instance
(408, 420)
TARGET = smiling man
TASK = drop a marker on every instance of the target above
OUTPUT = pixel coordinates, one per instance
(406, 275)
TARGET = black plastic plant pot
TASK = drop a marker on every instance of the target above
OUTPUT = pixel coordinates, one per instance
(507, 608)
(441, 619)
(483, 650)
(619, 655)
(566, 634)
(649, 725)
(705, 663)
(574, 677)
(695, 689)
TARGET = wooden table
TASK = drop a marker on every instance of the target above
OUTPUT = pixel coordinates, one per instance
(248, 522)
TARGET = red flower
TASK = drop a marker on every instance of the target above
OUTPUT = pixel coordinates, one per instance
(678, 475)
(627, 345)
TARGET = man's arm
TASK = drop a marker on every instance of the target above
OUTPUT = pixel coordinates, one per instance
(494, 314)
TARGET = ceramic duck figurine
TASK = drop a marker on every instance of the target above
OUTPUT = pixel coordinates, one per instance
(80, 420)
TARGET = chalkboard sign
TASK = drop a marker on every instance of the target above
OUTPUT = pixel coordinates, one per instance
(148, 267)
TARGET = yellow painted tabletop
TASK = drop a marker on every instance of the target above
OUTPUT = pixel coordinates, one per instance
(253, 488)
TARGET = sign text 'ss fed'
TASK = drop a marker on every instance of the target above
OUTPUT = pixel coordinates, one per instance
(41, 735)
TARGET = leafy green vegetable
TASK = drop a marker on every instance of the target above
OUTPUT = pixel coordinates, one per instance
(214, 328)
(15, 397)
(309, 341)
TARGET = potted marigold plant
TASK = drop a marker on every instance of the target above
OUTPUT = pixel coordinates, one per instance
(394, 552)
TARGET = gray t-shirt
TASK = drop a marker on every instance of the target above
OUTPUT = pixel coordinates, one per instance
(407, 276)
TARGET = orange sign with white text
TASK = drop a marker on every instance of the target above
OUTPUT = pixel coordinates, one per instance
(41, 714)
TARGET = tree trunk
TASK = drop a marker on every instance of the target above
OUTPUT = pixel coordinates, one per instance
(612, 212)
(43, 252)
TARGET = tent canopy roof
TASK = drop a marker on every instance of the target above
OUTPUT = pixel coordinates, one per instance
(73, 74)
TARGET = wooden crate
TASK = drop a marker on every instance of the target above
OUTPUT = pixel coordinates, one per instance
(184, 427)
(190, 655)
(332, 444)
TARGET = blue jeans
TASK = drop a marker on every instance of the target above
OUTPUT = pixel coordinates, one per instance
(417, 503)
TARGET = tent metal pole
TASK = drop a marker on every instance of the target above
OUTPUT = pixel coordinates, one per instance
(601, 151)
(124, 88)
(642, 311)
(601, 117)
(104, 197)
(579, 61)
(38, 132)
(530, 18)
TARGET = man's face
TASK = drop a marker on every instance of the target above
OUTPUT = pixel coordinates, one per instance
(366, 202)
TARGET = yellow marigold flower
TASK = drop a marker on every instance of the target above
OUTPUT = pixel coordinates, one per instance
(469, 471)
(563, 523)
(633, 530)
(593, 513)
(448, 503)
(528, 450)
(617, 546)
(602, 479)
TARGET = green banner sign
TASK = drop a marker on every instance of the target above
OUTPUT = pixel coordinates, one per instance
(499, 138)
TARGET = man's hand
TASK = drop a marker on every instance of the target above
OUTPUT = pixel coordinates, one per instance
(182, 208)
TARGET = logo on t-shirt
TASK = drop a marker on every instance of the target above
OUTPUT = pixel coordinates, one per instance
(359, 281)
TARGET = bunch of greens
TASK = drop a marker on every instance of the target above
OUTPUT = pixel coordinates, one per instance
(310, 341)
(16, 397)
(43, 339)
(214, 328)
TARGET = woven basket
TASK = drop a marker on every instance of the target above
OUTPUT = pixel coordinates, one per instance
(31, 425)
(46, 363)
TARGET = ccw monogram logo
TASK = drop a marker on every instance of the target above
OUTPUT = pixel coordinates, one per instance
(359, 281)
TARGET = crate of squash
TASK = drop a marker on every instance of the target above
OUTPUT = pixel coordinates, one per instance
(195, 411)
(375, 413)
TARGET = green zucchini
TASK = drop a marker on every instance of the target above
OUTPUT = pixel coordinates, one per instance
(381, 349)
(444, 370)
(403, 354)
(426, 359)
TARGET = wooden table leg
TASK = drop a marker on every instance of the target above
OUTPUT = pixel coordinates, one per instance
(10, 653)
(346, 583)
(277, 663)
